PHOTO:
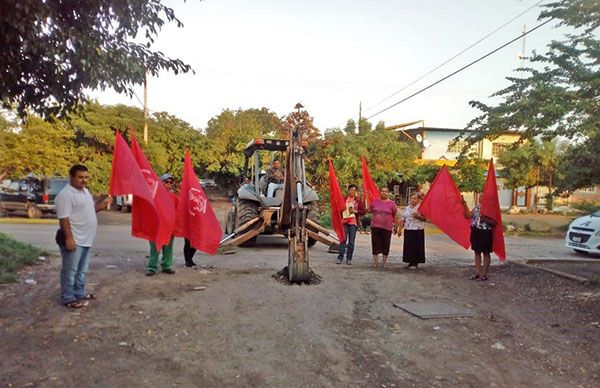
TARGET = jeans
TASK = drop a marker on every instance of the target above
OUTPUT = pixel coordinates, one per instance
(347, 246)
(167, 260)
(72, 273)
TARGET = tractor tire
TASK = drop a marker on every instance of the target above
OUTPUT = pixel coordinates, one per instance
(33, 211)
(313, 215)
(246, 211)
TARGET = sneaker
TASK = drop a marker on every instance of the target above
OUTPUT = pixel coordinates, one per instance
(349, 262)
(168, 271)
(190, 265)
(339, 261)
(150, 273)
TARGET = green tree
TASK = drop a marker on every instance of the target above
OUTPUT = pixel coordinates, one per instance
(350, 127)
(387, 158)
(469, 173)
(558, 95)
(55, 49)
(364, 126)
(39, 148)
(227, 135)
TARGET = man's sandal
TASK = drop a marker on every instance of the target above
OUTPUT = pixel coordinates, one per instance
(89, 297)
(474, 277)
(77, 304)
(483, 278)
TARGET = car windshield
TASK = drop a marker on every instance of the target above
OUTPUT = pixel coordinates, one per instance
(56, 185)
(596, 214)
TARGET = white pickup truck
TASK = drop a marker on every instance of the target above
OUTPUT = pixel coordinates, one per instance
(124, 202)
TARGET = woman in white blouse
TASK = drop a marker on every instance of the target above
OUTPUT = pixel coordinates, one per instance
(413, 223)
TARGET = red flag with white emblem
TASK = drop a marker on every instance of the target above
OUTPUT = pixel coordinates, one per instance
(158, 230)
(126, 178)
(196, 220)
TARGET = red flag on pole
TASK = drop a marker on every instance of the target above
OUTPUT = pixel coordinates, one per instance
(490, 207)
(126, 178)
(196, 220)
(443, 206)
(159, 230)
(370, 190)
(338, 204)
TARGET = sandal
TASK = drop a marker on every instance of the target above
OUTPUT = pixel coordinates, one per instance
(474, 277)
(483, 278)
(77, 304)
(89, 297)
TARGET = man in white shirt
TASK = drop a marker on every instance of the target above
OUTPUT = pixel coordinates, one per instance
(76, 212)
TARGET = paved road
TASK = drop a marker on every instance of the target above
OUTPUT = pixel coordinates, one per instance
(114, 236)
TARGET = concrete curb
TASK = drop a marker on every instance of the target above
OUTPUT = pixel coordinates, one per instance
(28, 221)
(556, 272)
(580, 260)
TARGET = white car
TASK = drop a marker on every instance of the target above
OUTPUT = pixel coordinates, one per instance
(584, 234)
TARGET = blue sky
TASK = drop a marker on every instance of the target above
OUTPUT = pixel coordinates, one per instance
(330, 55)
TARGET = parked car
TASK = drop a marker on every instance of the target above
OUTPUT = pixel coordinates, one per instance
(583, 235)
(208, 182)
(124, 202)
(32, 194)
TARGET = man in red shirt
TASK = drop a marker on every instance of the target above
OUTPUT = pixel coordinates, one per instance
(350, 219)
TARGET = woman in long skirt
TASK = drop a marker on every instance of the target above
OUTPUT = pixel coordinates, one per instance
(383, 224)
(412, 221)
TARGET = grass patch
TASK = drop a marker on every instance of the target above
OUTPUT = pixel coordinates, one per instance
(14, 255)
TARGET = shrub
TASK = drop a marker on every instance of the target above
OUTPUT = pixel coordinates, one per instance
(14, 255)
(587, 207)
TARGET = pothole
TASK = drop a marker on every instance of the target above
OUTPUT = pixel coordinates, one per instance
(282, 277)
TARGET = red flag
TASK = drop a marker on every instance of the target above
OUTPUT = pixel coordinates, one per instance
(370, 190)
(196, 220)
(490, 207)
(126, 178)
(338, 204)
(159, 230)
(443, 206)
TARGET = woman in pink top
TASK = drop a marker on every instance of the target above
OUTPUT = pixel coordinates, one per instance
(383, 223)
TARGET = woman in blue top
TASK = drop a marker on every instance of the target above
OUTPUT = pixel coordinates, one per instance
(481, 238)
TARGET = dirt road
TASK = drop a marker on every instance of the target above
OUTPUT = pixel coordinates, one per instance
(246, 329)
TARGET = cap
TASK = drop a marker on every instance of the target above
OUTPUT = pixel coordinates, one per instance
(166, 176)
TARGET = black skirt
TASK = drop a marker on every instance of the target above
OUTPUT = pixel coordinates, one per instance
(481, 240)
(414, 246)
(380, 241)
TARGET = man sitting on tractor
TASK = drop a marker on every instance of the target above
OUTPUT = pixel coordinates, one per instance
(275, 177)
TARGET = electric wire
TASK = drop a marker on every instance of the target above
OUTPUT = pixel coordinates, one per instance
(455, 56)
(461, 69)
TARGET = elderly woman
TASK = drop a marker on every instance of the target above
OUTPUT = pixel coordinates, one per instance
(412, 221)
(383, 223)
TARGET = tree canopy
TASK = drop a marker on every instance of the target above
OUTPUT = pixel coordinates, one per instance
(53, 50)
(558, 94)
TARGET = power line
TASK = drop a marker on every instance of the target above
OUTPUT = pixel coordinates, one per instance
(462, 68)
(455, 56)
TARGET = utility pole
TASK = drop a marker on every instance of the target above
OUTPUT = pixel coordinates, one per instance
(359, 115)
(146, 107)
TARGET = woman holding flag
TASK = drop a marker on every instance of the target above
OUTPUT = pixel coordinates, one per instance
(481, 238)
